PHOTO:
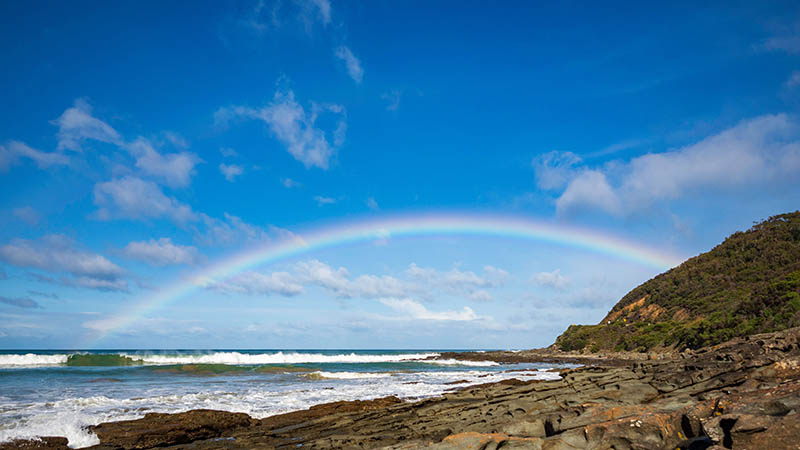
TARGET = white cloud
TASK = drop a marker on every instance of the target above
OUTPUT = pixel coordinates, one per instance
(6, 158)
(265, 16)
(481, 296)
(323, 9)
(458, 280)
(176, 140)
(42, 159)
(255, 283)
(231, 229)
(457, 277)
(789, 44)
(495, 275)
(339, 283)
(617, 147)
(785, 39)
(133, 198)
(312, 11)
(555, 169)
(161, 252)
(416, 310)
(231, 171)
(760, 151)
(174, 169)
(753, 150)
(252, 19)
(324, 200)
(794, 80)
(352, 63)
(76, 125)
(590, 189)
(372, 204)
(393, 98)
(57, 253)
(101, 325)
(552, 279)
(101, 284)
(27, 215)
(294, 127)
(15, 149)
(289, 183)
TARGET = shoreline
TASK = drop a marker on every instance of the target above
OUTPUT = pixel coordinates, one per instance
(555, 357)
(741, 392)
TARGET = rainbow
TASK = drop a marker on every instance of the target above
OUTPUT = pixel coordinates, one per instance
(373, 229)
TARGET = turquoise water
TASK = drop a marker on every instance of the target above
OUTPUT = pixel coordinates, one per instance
(61, 392)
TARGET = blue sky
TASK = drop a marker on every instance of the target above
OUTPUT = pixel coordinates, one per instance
(141, 143)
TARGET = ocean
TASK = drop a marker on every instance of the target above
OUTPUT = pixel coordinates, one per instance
(59, 393)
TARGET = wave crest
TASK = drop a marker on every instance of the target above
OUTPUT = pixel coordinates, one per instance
(237, 358)
(31, 359)
(215, 358)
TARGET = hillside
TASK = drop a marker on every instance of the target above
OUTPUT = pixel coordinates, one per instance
(748, 284)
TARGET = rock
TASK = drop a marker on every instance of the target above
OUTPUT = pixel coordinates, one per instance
(44, 443)
(161, 430)
(489, 441)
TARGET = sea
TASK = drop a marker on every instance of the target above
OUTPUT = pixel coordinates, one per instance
(60, 393)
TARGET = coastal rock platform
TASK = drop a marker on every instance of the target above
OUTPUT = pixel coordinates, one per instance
(743, 394)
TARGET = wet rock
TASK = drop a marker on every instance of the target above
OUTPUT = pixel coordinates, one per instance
(44, 443)
(160, 430)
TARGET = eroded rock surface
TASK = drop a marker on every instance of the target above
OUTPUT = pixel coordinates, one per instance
(160, 430)
(744, 394)
(45, 443)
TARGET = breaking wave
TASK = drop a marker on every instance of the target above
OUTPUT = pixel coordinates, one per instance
(83, 359)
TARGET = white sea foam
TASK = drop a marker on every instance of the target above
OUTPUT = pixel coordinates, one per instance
(68, 416)
(238, 358)
(30, 360)
(277, 358)
(457, 362)
(69, 424)
(230, 358)
(351, 375)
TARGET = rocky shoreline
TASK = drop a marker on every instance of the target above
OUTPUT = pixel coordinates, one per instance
(551, 355)
(741, 394)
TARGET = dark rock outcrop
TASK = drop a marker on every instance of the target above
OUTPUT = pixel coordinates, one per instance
(161, 430)
(45, 443)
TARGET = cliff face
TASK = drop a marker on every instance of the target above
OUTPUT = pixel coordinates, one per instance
(748, 284)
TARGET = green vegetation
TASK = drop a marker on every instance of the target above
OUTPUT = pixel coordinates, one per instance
(748, 284)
